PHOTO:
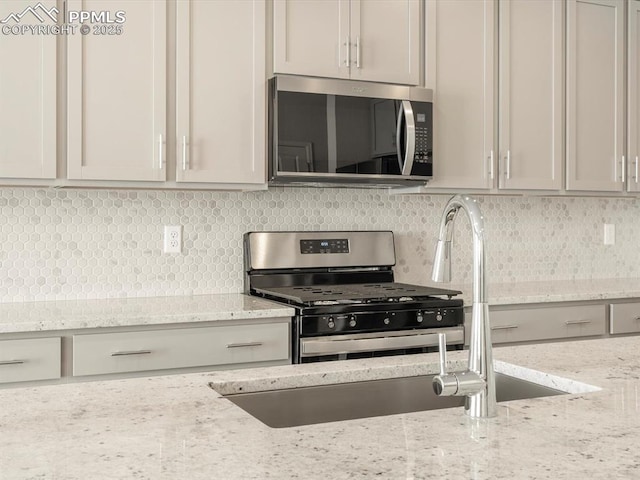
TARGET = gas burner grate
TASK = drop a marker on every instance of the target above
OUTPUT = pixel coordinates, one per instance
(354, 293)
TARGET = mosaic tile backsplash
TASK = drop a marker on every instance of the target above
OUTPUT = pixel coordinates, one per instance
(82, 244)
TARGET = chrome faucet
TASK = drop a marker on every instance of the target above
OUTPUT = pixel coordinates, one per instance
(477, 382)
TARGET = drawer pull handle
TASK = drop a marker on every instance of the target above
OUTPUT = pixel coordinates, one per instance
(577, 322)
(241, 345)
(131, 352)
(505, 327)
(637, 319)
(12, 362)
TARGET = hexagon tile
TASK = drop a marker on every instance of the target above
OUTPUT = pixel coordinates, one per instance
(79, 244)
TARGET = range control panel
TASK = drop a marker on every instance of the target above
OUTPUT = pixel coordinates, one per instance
(380, 321)
(339, 245)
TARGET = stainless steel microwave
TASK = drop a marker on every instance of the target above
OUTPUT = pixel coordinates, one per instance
(326, 131)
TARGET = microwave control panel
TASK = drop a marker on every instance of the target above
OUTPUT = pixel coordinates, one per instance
(424, 140)
(423, 144)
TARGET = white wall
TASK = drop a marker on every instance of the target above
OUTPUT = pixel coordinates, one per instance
(73, 244)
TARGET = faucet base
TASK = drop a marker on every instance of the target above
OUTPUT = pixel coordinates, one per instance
(480, 406)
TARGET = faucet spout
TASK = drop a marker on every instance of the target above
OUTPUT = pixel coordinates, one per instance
(479, 378)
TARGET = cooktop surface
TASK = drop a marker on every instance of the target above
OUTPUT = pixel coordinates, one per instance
(355, 293)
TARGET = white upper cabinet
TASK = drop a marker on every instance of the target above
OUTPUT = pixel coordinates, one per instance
(221, 91)
(359, 39)
(525, 152)
(595, 96)
(385, 39)
(633, 123)
(460, 68)
(531, 95)
(27, 98)
(117, 95)
(311, 37)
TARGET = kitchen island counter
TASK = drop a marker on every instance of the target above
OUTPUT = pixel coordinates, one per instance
(176, 427)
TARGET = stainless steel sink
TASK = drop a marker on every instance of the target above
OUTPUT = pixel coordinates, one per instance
(330, 403)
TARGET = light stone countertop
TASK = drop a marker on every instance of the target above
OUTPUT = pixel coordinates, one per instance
(69, 315)
(176, 427)
(553, 291)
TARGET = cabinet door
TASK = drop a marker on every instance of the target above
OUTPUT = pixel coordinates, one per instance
(137, 351)
(595, 97)
(624, 318)
(29, 359)
(385, 38)
(311, 38)
(633, 125)
(535, 323)
(459, 67)
(221, 91)
(27, 97)
(117, 95)
(531, 94)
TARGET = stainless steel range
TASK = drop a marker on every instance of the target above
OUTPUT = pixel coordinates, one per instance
(347, 303)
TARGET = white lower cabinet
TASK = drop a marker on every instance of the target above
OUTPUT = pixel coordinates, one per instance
(137, 351)
(624, 318)
(539, 323)
(30, 359)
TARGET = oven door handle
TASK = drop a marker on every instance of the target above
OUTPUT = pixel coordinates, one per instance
(333, 345)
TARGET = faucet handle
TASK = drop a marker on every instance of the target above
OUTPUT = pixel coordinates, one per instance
(442, 349)
(445, 384)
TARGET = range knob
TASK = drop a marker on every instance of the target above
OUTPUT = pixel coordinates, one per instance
(352, 321)
(419, 317)
(387, 321)
(439, 317)
(331, 323)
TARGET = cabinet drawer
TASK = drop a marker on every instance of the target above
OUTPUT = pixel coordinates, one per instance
(30, 359)
(179, 348)
(544, 323)
(624, 318)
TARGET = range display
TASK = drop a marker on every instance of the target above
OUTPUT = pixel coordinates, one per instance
(324, 246)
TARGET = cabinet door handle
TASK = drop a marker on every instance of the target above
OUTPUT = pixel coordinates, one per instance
(505, 327)
(577, 322)
(245, 344)
(358, 51)
(636, 168)
(508, 168)
(160, 152)
(12, 362)
(637, 319)
(624, 168)
(490, 158)
(185, 162)
(126, 353)
(347, 61)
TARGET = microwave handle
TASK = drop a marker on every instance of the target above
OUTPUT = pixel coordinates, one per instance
(406, 112)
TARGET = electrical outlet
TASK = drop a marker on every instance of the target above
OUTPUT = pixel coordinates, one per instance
(609, 234)
(173, 239)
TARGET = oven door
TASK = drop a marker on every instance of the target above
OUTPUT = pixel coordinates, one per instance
(338, 347)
